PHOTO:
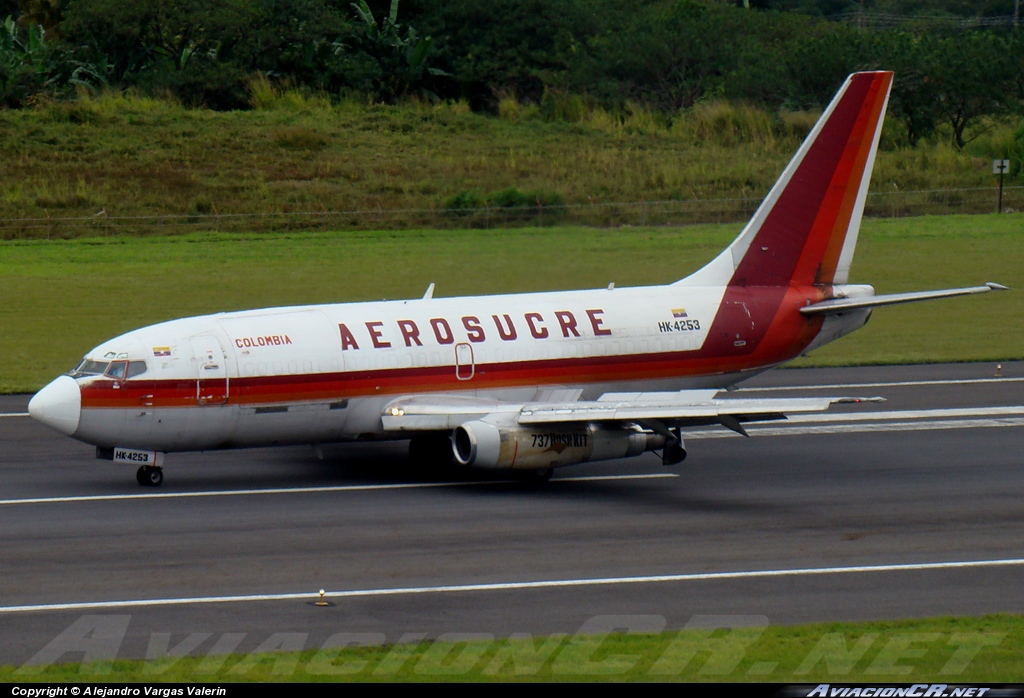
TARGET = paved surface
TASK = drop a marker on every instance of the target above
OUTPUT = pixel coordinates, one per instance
(869, 511)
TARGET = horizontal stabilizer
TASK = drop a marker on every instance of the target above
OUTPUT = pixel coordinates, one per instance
(839, 305)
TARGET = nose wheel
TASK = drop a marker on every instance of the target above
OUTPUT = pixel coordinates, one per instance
(150, 476)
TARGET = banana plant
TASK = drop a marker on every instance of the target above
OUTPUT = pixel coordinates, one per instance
(402, 56)
(30, 64)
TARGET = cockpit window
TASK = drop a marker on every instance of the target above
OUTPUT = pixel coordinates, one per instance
(116, 369)
(89, 368)
(119, 370)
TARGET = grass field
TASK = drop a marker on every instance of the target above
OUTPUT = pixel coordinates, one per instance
(977, 651)
(61, 298)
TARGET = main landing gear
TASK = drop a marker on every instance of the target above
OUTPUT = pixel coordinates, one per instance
(150, 476)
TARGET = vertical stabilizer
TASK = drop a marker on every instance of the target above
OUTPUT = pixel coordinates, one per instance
(806, 229)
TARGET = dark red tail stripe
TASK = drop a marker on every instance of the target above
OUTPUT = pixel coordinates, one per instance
(775, 251)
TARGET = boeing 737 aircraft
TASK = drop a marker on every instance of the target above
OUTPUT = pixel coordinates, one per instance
(520, 382)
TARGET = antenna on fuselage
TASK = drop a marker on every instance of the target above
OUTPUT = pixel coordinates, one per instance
(430, 292)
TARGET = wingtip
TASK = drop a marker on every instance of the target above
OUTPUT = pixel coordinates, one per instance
(996, 287)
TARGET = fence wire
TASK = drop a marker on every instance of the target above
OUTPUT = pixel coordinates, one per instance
(594, 214)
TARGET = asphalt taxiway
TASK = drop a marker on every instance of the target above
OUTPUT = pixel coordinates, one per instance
(907, 508)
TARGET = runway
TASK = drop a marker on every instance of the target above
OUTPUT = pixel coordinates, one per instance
(907, 508)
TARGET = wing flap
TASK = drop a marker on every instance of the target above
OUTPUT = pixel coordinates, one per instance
(687, 407)
(671, 411)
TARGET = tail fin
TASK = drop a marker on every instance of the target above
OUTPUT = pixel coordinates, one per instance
(806, 229)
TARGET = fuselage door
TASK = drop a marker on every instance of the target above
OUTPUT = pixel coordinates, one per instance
(212, 383)
(464, 365)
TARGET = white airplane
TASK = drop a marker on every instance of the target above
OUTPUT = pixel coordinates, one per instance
(519, 382)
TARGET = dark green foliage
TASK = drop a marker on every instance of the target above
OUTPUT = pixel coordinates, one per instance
(464, 203)
(671, 55)
(562, 58)
(1015, 153)
(204, 51)
(514, 46)
(403, 57)
(31, 64)
(513, 198)
(506, 205)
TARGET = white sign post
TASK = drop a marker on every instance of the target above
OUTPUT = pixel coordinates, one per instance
(1000, 167)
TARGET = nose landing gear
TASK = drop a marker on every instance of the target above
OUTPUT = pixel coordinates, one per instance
(150, 476)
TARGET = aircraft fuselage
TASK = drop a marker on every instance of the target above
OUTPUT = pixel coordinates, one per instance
(319, 374)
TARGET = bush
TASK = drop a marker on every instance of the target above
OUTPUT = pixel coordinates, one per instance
(544, 206)
(513, 198)
(464, 203)
(506, 205)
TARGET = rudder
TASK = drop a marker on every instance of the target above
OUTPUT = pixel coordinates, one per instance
(805, 230)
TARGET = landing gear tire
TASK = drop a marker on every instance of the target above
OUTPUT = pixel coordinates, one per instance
(150, 476)
(432, 450)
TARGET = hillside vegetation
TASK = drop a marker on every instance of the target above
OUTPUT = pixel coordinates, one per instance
(112, 156)
(234, 115)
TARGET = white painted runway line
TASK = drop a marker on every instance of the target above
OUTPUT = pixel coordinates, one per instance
(941, 413)
(892, 421)
(886, 384)
(306, 490)
(863, 428)
(512, 586)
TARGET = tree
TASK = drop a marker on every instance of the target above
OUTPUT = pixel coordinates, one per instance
(513, 46)
(205, 51)
(973, 78)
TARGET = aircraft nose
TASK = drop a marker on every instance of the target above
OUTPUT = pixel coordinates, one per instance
(58, 405)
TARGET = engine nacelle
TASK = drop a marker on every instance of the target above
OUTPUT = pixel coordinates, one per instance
(489, 444)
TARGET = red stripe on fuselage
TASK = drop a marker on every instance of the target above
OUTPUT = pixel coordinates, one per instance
(788, 341)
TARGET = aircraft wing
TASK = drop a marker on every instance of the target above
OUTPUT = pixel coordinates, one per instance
(655, 410)
(839, 305)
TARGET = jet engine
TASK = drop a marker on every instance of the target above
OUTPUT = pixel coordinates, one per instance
(487, 443)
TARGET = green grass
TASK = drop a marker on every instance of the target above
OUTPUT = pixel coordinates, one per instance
(61, 298)
(948, 650)
(132, 156)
